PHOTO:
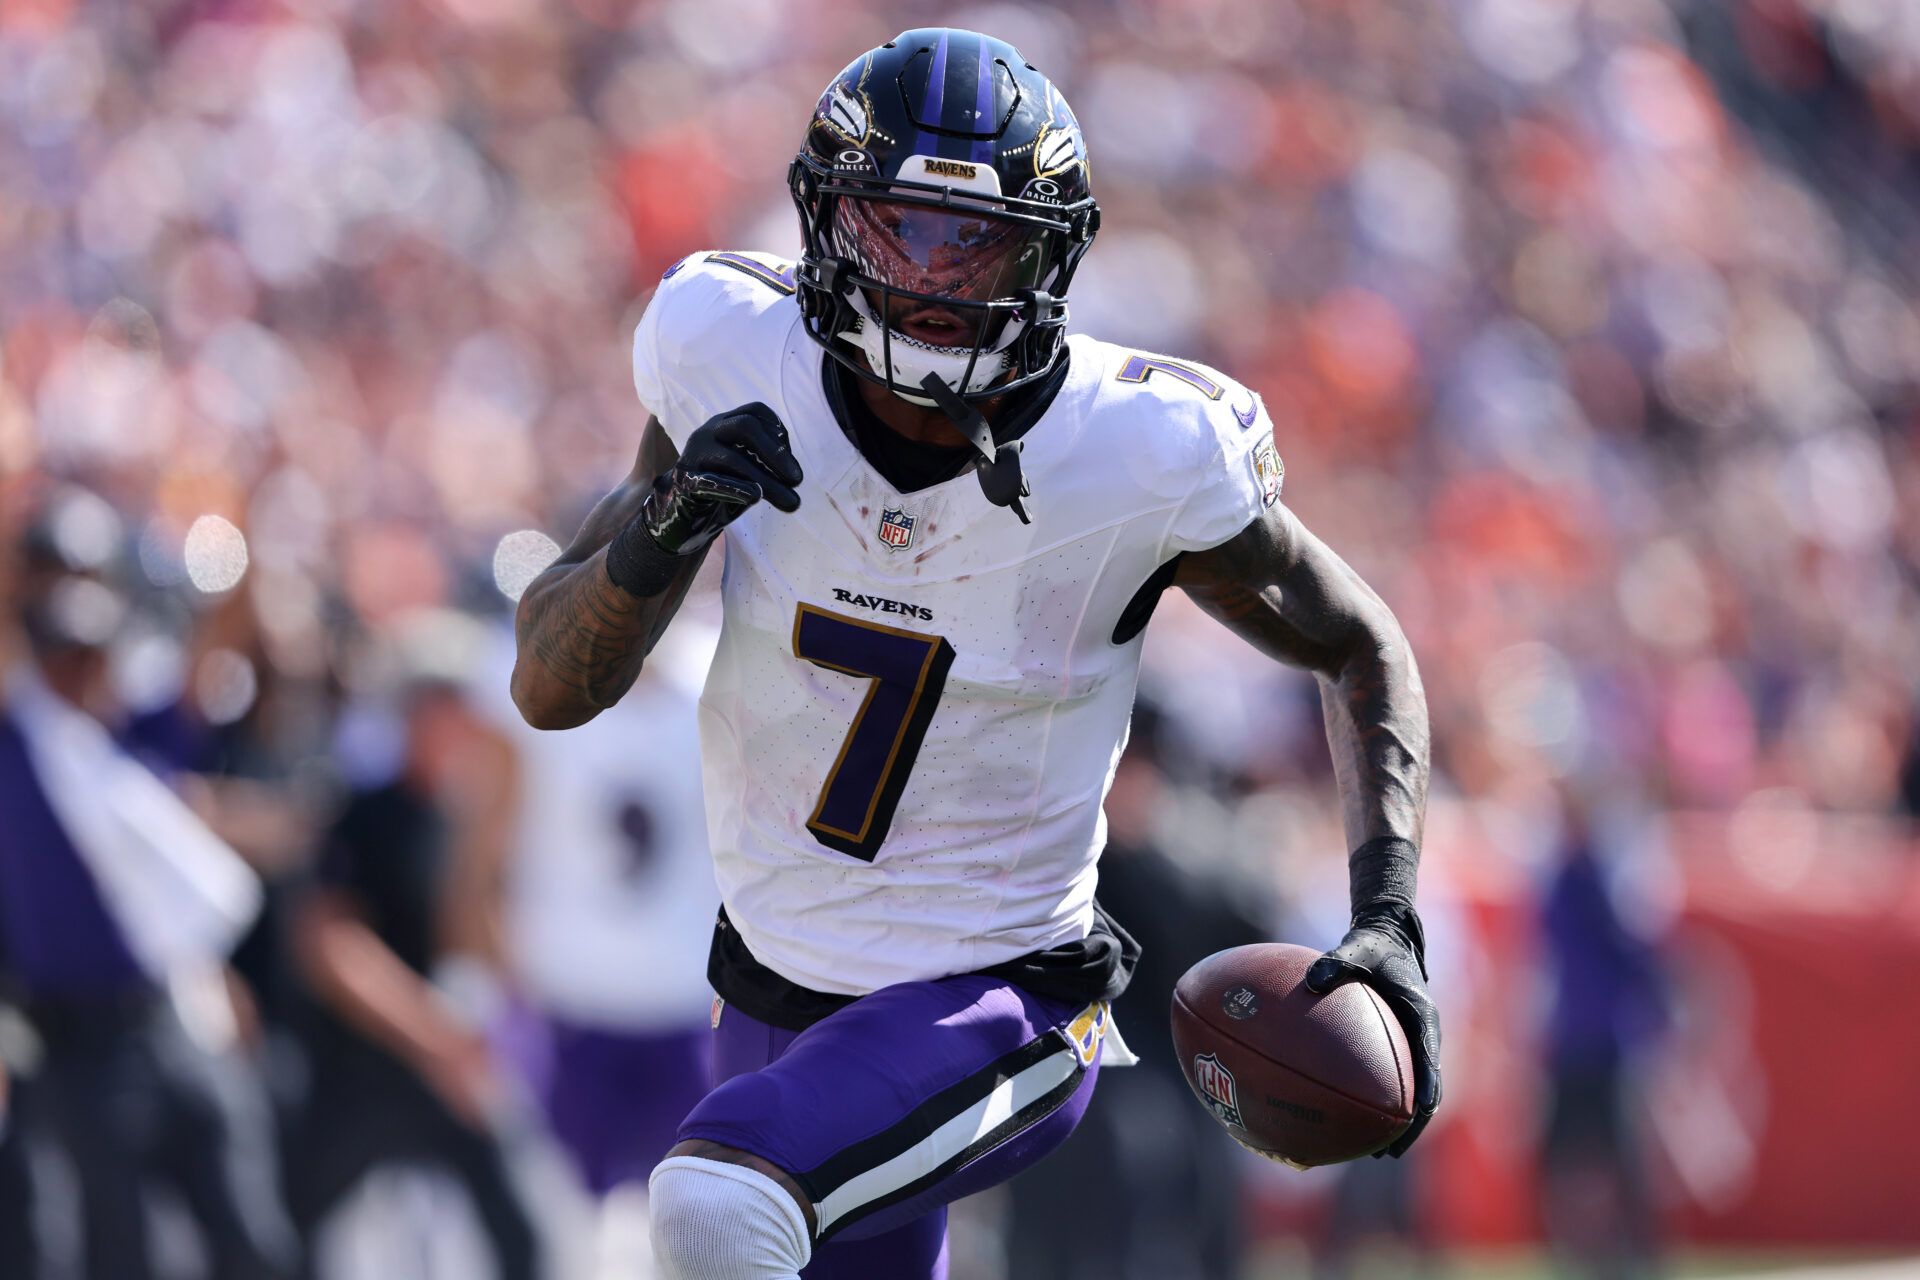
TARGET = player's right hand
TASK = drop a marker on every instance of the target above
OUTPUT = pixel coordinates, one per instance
(731, 461)
(1390, 955)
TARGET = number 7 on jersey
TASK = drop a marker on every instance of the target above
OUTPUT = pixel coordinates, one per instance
(908, 670)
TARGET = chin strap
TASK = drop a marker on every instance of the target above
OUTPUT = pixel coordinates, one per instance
(998, 465)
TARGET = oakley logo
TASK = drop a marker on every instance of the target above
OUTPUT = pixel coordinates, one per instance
(1044, 189)
(951, 168)
(851, 157)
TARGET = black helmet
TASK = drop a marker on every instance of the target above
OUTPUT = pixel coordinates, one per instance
(943, 197)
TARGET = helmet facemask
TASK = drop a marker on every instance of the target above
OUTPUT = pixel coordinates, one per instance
(907, 279)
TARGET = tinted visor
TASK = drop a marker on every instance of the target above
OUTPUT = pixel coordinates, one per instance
(964, 254)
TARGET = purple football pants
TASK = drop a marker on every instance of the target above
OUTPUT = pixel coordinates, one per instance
(899, 1104)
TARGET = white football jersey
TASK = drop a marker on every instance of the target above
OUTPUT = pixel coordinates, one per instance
(610, 892)
(917, 702)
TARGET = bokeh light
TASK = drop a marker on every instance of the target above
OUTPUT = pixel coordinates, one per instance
(225, 685)
(215, 554)
(519, 558)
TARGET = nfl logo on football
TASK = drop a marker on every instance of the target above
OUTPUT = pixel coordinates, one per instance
(1217, 1083)
(896, 528)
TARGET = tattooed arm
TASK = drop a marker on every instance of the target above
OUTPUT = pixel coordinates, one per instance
(1284, 591)
(581, 637)
(587, 623)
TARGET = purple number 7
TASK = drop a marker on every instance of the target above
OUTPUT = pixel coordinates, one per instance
(1139, 368)
(908, 670)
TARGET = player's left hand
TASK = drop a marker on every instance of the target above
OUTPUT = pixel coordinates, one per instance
(1389, 957)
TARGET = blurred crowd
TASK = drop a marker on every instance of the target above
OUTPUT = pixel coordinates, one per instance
(1589, 325)
(1590, 329)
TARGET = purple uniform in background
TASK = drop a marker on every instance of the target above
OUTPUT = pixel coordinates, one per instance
(57, 935)
(614, 1099)
(610, 895)
(900, 1103)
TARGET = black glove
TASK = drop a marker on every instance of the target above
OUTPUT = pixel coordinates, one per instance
(731, 461)
(1386, 948)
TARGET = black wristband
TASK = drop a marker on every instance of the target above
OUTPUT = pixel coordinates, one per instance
(1383, 872)
(1382, 876)
(637, 564)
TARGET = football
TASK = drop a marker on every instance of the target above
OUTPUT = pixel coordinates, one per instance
(1303, 1079)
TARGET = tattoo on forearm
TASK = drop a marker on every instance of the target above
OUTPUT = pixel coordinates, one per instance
(586, 633)
(582, 639)
(1285, 592)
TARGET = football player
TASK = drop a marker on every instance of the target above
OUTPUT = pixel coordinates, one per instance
(947, 523)
(606, 899)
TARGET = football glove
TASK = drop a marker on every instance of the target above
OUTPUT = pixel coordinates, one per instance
(732, 460)
(1386, 948)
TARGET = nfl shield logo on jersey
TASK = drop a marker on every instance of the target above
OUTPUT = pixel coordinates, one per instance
(1217, 1086)
(896, 528)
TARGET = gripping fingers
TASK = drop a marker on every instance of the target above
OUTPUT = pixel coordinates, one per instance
(745, 471)
(1396, 978)
(754, 431)
(780, 495)
(758, 429)
(715, 487)
(1332, 970)
(1423, 1037)
(1405, 1140)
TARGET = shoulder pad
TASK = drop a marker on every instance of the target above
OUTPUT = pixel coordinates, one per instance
(775, 273)
(703, 292)
(1193, 407)
(713, 311)
(1209, 434)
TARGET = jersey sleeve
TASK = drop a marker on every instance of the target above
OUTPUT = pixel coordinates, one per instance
(653, 375)
(1239, 472)
(706, 321)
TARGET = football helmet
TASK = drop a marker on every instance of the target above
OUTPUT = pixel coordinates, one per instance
(944, 205)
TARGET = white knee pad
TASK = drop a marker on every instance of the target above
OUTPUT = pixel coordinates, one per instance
(715, 1221)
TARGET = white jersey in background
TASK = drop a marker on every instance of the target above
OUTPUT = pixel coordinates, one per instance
(610, 893)
(917, 703)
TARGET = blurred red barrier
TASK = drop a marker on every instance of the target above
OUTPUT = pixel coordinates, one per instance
(1812, 931)
(1780, 1109)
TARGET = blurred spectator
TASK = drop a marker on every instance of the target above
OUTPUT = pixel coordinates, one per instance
(400, 1072)
(1607, 1009)
(19, 1249)
(1910, 773)
(1159, 1176)
(117, 907)
(602, 875)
